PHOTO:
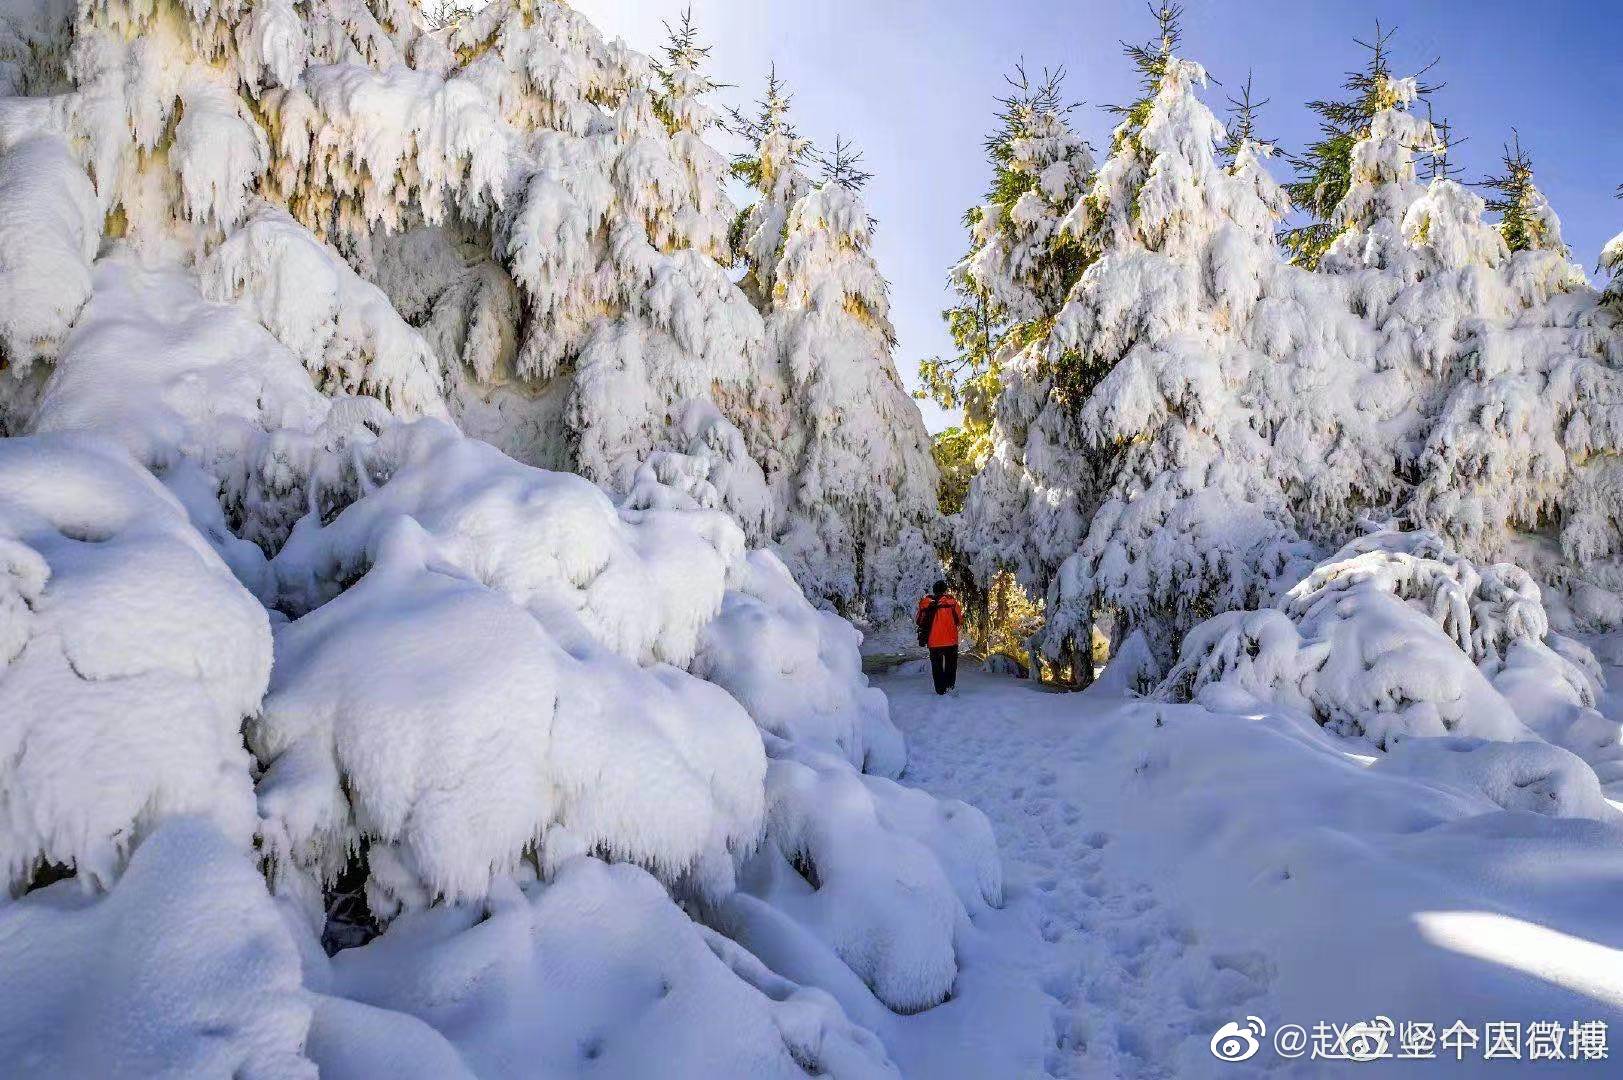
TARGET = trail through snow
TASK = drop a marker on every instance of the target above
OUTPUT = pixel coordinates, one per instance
(1134, 988)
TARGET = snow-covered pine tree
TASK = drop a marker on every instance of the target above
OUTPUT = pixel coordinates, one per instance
(1370, 361)
(682, 104)
(1152, 349)
(774, 165)
(1526, 220)
(586, 319)
(862, 516)
(1367, 142)
(478, 673)
(159, 135)
(1012, 283)
(1611, 260)
(1521, 454)
(1019, 265)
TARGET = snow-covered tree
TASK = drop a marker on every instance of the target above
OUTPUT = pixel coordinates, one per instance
(682, 104)
(1525, 439)
(1192, 519)
(860, 499)
(1526, 220)
(258, 263)
(1396, 636)
(774, 165)
(1367, 142)
(1021, 264)
(862, 514)
(1611, 260)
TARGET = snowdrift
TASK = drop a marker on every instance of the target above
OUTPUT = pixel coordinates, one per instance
(1396, 637)
(129, 658)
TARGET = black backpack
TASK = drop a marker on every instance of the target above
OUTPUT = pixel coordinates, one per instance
(927, 621)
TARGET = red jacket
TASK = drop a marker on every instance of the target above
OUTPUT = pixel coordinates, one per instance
(944, 630)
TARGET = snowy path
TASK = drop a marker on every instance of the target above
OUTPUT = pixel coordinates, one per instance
(1135, 990)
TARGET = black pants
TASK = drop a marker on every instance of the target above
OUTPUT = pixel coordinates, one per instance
(944, 667)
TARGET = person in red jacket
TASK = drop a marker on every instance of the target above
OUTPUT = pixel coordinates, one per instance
(938, 620)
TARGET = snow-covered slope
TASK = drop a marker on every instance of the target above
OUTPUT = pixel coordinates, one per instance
(1173, 869)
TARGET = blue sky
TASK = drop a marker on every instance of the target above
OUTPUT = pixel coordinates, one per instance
(915, 82)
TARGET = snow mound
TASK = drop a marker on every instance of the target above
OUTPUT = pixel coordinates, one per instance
(1396, 636)
(797, 670)
(185, 968)
(129, 657)
(209, 401)
(879, 875)
(517, 632)
(627, 986)
(50, 225)
(1534, 777)
(884, 875)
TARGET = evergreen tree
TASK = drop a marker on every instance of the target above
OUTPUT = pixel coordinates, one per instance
(1242, 125)
(775, 167)
(1525, 219)
(1611, 260)
(1325, 171)
(682, 106)
(1151, 352)
(1020, 264)
(862, 511)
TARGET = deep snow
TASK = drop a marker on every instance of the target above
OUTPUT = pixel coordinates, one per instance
(1170, 869)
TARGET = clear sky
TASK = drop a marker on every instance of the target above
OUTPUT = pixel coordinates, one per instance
(915, 82)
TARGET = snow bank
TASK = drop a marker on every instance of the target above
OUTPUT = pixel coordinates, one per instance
(517, 632)
(130, 658)
(185, 968)
(624, 984)
(1532, 777)
(797, 670)
(879, 875)
(882, 874)
(1397, 636)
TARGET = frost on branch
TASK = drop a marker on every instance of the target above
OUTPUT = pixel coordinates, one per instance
(519, 633)
(129, 657)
